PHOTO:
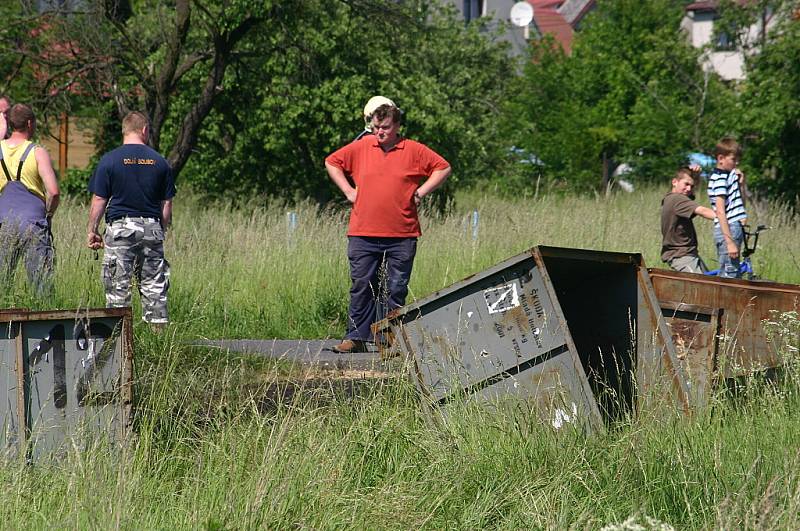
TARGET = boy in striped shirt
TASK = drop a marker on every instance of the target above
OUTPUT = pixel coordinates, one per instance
(725, 190)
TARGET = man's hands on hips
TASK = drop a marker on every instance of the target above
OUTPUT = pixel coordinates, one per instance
(351, 195)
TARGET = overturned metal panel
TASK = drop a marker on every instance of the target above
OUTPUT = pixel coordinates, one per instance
(495, 332)
(562, 328)
(549, 389)
(744, 305)
(660, 376)
(71, 379)
(615, 322)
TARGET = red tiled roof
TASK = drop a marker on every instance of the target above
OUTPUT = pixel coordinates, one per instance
(551, 22)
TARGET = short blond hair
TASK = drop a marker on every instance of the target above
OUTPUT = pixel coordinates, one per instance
(134, 122)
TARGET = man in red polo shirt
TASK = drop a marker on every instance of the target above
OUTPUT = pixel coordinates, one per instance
(388, 173)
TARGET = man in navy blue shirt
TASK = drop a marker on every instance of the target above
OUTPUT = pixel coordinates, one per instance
(134, 186)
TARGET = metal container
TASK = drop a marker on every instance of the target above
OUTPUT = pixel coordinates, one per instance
(695, 332)
(66, 376)
(720, 320)
(578, 333)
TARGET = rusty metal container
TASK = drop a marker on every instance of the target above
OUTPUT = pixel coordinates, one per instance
(695, 332)
(717, 323)
(66, 376)
(577, 333)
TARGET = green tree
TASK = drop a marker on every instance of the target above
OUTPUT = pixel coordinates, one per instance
(769, 111)
(632, 91)
(283, 113)
(252, 95)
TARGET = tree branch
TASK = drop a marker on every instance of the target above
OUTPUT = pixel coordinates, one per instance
(187, 135)
(158, 103)
(189, 63)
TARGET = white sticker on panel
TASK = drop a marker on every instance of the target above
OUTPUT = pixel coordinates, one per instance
(502, 298)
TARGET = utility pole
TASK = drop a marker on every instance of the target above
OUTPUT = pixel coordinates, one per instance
(63, 140)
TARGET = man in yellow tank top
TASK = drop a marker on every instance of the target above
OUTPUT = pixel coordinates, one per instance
(29, 197)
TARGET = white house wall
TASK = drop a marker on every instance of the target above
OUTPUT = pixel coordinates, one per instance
(729, 65)
(699, 27)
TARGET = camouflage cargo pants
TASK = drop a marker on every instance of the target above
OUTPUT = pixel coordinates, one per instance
(135, 248)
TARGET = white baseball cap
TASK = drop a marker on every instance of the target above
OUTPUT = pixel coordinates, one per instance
(375, 102)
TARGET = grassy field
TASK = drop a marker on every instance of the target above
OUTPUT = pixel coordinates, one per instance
(217, 447)
(242, 272)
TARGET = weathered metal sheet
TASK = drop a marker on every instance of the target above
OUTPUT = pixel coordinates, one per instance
(744, 305)
(491, 331)
(695, 334)
(75, 378)
(584, 323)
(661, 379)
(548, 389)
(9, 436)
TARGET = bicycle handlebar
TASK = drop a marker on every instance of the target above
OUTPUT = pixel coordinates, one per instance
(747, 251)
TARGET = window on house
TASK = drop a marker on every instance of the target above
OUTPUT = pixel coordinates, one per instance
(724, 36)
(474, 9)
(724, 41)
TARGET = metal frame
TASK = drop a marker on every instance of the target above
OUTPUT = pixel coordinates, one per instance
(653, 362)
(15, 320)
(744, 305)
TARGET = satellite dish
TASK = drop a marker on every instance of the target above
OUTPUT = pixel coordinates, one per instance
(521, 14)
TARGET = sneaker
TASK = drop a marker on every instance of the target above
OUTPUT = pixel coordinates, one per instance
(350, 346)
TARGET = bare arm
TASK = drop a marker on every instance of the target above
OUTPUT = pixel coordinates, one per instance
(733, 249)
(166, 213)
(45, 168)
(437, 178)
(340, 180)
(96, 210)
(705, 212)
(3, 125)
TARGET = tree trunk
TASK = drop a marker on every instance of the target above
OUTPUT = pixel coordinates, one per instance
(187, 134)
(606, 173)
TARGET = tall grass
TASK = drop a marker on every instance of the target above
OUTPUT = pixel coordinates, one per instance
(326, 460)
(228, 442)
(241, 272)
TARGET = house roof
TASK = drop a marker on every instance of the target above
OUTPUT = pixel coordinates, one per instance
(550, 22)
(712, 5)
(546, 4)
(708, 5)
(575, 10)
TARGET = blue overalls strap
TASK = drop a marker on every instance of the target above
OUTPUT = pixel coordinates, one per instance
(21, 162)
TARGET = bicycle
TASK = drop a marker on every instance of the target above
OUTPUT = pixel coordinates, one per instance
(745, 265)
